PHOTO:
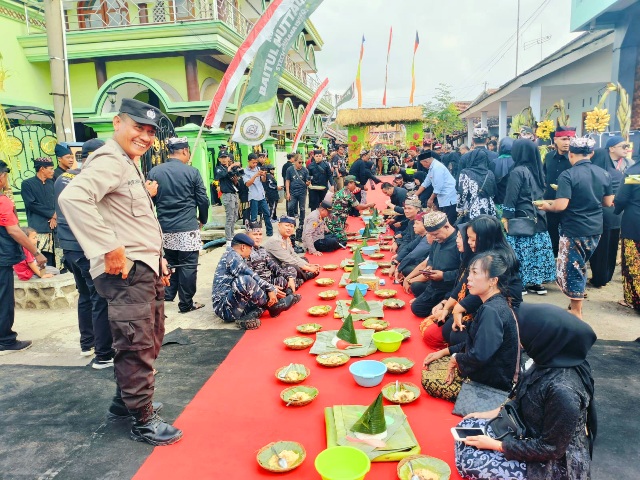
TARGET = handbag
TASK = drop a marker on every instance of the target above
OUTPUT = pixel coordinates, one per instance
(434, 381)
(507, 423)
(477, 397)
(523, 226)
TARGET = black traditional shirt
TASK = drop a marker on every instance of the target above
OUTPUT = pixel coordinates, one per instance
(38, 198)
(554, 164)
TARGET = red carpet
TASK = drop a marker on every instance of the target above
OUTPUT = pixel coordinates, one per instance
(239, 409)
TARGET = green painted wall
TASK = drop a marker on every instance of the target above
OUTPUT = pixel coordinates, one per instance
(84, 85)
(414, 134)
(28, 83)
(169, 70)
(205, 71)
(357, 139)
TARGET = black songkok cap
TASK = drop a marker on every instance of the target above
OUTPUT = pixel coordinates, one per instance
(425, 155)
(90, 146)
(42, 162)
(141, 112)
(62, 149)
(242, 238)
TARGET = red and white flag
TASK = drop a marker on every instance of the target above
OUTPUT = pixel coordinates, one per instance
(261, 32)
(311, 107)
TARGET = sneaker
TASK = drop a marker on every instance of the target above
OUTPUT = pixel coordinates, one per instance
(88, 352)
(524, 292)
(298, 250)
(16, 346)
(99, 364)
(539, 289)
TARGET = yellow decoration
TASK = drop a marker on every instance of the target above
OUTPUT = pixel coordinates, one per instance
(4, 74)
(624, 108)
(597, 120)
(544, 129)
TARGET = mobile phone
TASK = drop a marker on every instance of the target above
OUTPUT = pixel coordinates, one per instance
(127, 266)
(426, 272)
(461, 433)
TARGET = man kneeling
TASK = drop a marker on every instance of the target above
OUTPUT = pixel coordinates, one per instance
(239, 294)
(316, 236)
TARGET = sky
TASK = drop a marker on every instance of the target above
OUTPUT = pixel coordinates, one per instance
(463, 43)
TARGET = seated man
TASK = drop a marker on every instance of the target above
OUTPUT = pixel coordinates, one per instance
(412, 207)
(414, 253)
(316, 236)
(239, 294)
(434, 277)
(343, 202)
(283, 277)
(280, 248)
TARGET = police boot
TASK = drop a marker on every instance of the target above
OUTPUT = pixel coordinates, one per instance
(283, 304)
(150, 428)
(119, 411)
(299, 234)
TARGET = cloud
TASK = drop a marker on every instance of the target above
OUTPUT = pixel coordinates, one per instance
(463, 43)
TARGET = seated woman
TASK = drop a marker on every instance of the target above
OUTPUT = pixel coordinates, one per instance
(489, 354)
(554, 400)
(478, 236)
(284, 277)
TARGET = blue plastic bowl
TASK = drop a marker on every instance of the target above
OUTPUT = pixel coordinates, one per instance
(366, 218)
(361, 231)
(368, 373)
(351, 288)
(369, 250)
(368, 268)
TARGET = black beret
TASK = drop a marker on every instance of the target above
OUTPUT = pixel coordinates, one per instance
(425, 155)
(62, 149)
(242, 238)
(285, 219)
(326, 205)
(141, 112)
(90, 146)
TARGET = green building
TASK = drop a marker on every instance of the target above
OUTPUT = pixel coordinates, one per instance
(169, 53)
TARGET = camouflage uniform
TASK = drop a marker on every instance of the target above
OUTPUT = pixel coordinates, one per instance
(343, 202)
(270, 271)
(236, 288)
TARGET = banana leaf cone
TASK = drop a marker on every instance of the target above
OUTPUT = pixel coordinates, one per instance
(372, 421)
(358, 304)
(367, 231)
(364, 242)
(347, 332)
(357, 257)
(372, 225)
(355, 273)
(374, 217)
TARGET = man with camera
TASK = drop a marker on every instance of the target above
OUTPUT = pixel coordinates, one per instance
(253, 177)
(228, 175)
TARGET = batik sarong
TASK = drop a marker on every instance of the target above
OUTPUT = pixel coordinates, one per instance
(571, 265)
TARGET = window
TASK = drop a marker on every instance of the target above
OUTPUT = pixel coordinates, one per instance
(102, 13)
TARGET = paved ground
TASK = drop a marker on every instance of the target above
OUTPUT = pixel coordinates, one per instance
(56, 338)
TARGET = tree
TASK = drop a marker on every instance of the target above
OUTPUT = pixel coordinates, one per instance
(441, 115)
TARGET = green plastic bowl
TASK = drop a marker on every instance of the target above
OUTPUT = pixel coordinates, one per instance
(342, 463)
(387, 341)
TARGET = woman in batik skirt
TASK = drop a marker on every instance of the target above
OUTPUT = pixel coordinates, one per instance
(627, 201)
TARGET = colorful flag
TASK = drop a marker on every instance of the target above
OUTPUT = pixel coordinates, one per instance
(346, 96)
(308, 112)
(413, 69)
(358, 82)
(258, 108)
(386, 72)
(260, 33)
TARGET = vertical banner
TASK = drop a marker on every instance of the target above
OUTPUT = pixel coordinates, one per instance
(308, 112)
(255, 117)
(358, 82)
(386, 70)
(260, 33)
(413, 69)
(349, 94)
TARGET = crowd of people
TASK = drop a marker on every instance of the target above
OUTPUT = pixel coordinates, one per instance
(474, 232)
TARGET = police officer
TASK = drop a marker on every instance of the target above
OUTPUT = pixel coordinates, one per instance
(239, 294)
(180, 193)
(227, 173)
(316, 236)
(12, 241)
(321, 177)
(111, 214)
(93, 321)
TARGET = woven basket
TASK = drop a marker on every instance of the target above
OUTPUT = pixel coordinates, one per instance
(444, 475)
(308, 343)
(415, 389)
(298, 448)
(300, 388)
(284, 380)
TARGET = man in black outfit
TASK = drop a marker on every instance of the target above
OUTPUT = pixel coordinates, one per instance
(228, 175)
(180, 193)
(321, 176)
(555, 163)
(65, 158)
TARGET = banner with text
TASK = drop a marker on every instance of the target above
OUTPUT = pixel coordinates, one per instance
(259, 103)
(308, 112)
(260, 33)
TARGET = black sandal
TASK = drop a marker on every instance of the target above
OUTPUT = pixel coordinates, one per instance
(195, 306)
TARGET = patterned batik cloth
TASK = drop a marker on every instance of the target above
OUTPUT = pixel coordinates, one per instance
(45, 242)
(571, 265)
(182, 241)
(631, 272)
(535, 255)
(470, 203)
(485, 464)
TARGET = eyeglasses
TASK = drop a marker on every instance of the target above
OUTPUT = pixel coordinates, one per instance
(625, 146)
